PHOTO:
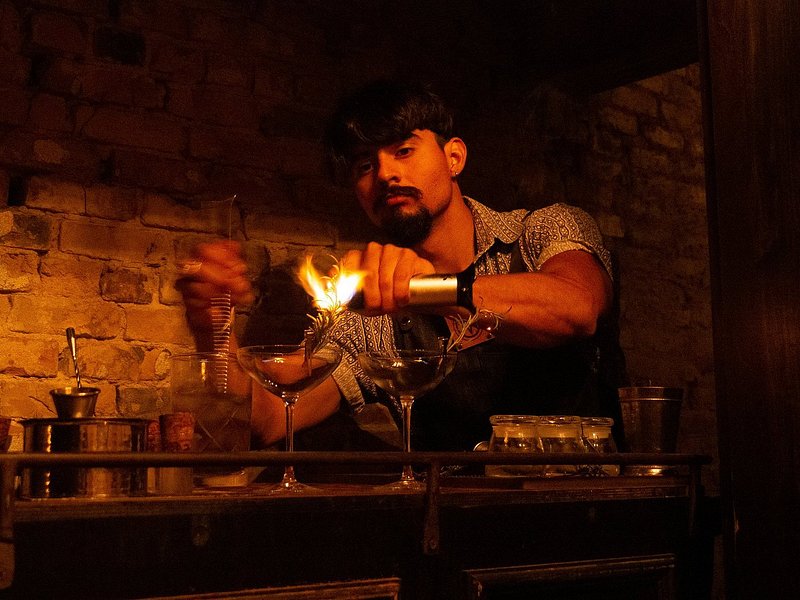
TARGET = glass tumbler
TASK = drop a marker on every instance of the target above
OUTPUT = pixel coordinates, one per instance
(561, 434)
(514, 433)
(199, 385)
(598, 439)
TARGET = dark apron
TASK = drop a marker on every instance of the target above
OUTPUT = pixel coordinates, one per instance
(580, 378)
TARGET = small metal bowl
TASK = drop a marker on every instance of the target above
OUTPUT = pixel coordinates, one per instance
(74, 402)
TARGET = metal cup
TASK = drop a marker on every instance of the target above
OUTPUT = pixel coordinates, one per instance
(650, 417)
(75, 402)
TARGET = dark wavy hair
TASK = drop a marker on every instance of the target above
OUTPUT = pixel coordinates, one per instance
(381, 113)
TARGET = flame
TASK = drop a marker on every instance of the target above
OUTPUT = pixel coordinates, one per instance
(333, 292)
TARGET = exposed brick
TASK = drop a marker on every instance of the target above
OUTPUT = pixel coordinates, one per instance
(56, 194)
(14, 69)
(59, 74)
(225, 70)
(108, 361)
(5, 182)
(154, 365)
(143, 130)
(299, 157)
(49, 112)
(121, 85)
(52, 315)
(216, 216)
(207, 27)
(156, 172)
(117, 203)
(234, 147)
(70, 276)
(636, 99)
(59, 32)
(664, 138)
(282, 228)
(164, 324)
(120, 45)
(28, 151)
(16, 103)
(22, 398)
(11, 36)
(620, 121)
(18, 271)
(141, 402)
(217, 105)
(183, 63)
(26, 357)
(22, 229)
(120, 284)
(121, 242)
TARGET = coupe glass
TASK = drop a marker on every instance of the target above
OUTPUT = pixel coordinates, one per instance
(407, 375)
(288, 372)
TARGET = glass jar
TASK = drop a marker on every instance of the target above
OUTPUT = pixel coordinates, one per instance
(561, 434)
(598, 439)
(514, 433)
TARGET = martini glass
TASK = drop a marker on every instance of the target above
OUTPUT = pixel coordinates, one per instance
(288, 372)
(407, 375)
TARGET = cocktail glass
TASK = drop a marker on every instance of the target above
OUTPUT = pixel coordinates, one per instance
(407, 375)
(288, 371)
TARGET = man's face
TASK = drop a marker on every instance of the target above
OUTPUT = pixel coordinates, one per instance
(403, 187)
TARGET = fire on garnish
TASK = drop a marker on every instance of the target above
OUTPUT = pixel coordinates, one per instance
(330, 294)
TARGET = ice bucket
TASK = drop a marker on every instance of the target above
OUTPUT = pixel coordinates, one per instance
(84, 435)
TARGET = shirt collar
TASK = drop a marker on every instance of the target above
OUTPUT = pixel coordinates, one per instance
(491, 225)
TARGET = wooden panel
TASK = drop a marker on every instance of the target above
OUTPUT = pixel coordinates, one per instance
(635, 578)
(752, 93)
(368, 589)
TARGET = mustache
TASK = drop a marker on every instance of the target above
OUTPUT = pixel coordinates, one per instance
(400, 190)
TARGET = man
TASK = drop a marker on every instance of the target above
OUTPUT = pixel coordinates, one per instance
(541, 284)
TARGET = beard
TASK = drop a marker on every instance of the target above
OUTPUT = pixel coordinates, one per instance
(401, 227)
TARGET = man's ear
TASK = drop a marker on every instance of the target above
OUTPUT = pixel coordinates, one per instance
(456, 151)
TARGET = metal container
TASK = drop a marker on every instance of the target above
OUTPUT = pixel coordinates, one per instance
(650, 418)
(84, 435)
(75, 402)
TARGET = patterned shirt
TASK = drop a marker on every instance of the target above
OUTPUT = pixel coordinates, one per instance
(546, 232)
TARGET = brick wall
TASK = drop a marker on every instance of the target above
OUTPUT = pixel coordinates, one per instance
(116, 118)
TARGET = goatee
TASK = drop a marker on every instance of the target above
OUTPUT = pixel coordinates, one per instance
(408, 230)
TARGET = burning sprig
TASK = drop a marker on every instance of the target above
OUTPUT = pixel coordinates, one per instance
(330, 294)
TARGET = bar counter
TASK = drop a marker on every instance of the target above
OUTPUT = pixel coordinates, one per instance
(466, 536)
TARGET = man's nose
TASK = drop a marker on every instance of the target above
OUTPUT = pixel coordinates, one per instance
(388, 169)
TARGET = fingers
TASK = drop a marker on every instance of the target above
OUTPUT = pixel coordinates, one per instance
(388, 270)
(215, 269)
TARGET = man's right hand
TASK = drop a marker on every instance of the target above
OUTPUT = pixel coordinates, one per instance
(215, 268)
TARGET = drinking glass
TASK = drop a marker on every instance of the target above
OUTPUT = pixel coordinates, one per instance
(597, 438)
(198, 384)
(213, 220)
(407, 375)
(288, 371)
(561, 434)
(514, 433)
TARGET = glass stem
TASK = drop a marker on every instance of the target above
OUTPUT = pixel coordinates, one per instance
(406, 402)
(288, 472)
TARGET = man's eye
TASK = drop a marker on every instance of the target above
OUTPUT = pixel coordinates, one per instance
(404, 151)
(362, 168)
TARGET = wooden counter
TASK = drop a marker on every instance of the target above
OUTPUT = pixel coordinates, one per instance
(467, 536)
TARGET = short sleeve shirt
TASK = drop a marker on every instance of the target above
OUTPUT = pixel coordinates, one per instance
(540, 235)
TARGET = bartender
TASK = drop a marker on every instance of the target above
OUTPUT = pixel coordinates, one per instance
(537, 285)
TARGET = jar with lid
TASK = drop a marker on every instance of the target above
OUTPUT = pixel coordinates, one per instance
(561, 434)
(598, 439)
(514, 433)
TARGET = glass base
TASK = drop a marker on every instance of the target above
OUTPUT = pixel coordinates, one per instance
(404, 485)
(291, 487)
(648, 470)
